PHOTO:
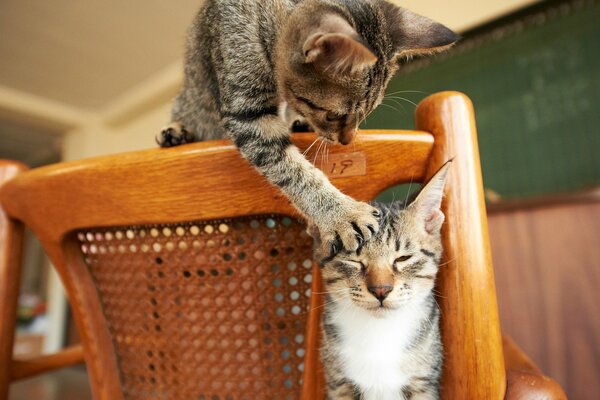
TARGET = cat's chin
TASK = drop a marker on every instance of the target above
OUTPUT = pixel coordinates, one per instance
(380, 311)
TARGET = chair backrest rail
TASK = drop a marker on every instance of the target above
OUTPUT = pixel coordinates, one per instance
(200, 181)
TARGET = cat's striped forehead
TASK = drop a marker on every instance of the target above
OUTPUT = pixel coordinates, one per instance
(393, 231)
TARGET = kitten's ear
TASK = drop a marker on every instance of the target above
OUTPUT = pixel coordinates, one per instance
(413, 34)
(426, 206)
(335, 47)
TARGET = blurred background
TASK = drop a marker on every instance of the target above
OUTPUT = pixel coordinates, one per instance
(81, 79)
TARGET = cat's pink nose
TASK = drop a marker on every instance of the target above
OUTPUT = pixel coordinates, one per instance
(380, 292)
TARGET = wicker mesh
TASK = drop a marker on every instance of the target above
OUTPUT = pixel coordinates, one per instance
(212, 310)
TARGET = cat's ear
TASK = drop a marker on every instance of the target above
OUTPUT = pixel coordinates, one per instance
(335, 48)
(413, 34)
(426, 207)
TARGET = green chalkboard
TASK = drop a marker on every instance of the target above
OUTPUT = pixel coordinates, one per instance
(535, 85)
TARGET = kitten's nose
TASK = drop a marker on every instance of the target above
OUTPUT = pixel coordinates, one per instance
(347, 136)
(380, 292)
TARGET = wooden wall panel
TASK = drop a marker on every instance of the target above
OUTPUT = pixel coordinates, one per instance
(547, 267)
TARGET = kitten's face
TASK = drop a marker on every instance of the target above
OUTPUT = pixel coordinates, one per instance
(330, 76)
(393, 269)
(398, 266)
(334, 109)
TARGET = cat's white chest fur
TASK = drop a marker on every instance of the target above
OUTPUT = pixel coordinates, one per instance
(374, 349)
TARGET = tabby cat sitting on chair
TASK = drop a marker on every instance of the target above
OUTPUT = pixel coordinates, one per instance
(381, 336)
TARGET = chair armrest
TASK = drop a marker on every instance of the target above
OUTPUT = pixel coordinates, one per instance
(524, 379)
(21, 369)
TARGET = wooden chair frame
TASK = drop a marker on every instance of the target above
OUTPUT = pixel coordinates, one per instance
(142, 187)
(11, 257)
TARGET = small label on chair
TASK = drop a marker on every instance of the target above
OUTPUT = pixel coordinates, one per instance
(343, 165)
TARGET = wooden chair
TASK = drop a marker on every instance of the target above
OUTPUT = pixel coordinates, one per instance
(11, 252)
(189, 276)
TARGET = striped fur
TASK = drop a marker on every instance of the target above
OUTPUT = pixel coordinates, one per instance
(255, 67)
(386, 345)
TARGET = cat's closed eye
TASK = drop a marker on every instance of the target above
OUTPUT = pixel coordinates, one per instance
(354, 264)
(331, 117)
(403, 258)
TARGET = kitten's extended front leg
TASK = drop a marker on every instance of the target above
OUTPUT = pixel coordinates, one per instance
(265, 142)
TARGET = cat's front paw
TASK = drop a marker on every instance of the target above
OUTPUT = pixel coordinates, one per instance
(349, 227)
(174, 134)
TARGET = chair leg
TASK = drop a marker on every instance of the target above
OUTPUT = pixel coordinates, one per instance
(11, 253)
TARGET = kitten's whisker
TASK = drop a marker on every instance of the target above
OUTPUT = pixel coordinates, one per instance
(447, 262)
(408, 192)
(406, 91)
(317, 152)
(388, 106)
(333, 291)
(403, 98)
(325, 156)
(356, 136)
(360, 112)
(325, 304)
(397, 103)
(311, 145)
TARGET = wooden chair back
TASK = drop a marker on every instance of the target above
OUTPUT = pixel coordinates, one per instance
(189, 275)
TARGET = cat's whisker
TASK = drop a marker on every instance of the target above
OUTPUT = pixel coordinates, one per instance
(397, 103)
(325, 304)
(393, 200)
(324, 155)
(406, 200)
(402, 98)
(333, 291)
(317, 152)
(358, 133)
(408, 191)
(388, 106)
(361, 116)
(436, 302)
(406, 91)
(309, 147)
(447, 262)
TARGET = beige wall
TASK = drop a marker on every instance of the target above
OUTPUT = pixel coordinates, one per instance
(463, 14)
(100, 138)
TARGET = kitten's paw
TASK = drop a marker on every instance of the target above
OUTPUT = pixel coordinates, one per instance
(173, 135)
(299, 126)
(350, 227)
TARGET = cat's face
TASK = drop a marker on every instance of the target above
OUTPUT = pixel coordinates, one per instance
(333, 109)
(398, 266)
(334, 60)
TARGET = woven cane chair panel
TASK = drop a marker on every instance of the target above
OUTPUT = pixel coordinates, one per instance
(213, 310)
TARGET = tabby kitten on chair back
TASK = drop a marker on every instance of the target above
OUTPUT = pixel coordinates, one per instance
(381, 338)
(255, 67)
